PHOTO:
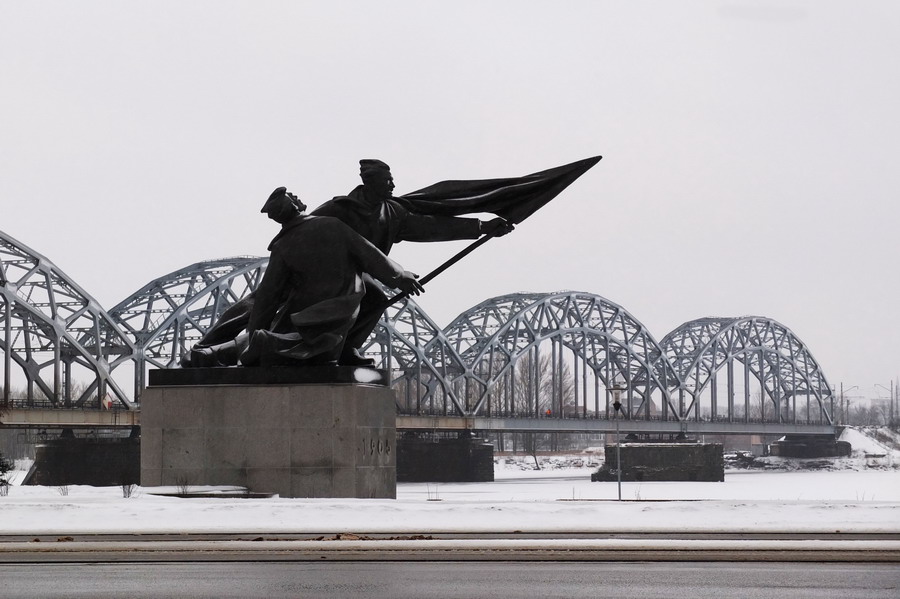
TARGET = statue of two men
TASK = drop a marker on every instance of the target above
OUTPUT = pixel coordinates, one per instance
(319, 299)
(309, 297)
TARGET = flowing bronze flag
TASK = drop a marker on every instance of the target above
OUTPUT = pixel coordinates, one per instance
(513, 199)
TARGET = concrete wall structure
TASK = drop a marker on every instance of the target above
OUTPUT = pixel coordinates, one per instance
(80, 461)
(468, 459)
(664, 462)
(306, 440)
(809, 446)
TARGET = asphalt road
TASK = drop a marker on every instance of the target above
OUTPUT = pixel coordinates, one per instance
(464, 580)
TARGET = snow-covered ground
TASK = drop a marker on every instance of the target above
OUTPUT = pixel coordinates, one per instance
(869, 453)
(859, 493)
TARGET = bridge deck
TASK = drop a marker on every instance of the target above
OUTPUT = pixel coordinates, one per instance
(588, 425)
(68, 418)
(88, 418)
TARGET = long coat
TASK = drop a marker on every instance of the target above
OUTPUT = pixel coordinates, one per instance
(309, 296)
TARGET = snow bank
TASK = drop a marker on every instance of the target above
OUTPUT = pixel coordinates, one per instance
(559, 498)
(750, 501)
(863, 443)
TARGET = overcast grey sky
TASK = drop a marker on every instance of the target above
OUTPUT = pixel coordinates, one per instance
(750, 147)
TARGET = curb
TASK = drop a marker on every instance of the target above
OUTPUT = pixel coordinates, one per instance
(607, 550)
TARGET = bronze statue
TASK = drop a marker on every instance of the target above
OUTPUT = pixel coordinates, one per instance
(372, 211)
(297, 321)
(309, 296)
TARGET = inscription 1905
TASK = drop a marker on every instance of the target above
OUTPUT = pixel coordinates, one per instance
(376, 445)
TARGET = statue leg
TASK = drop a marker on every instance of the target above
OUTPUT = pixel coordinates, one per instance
(316, 335)
(370, 310)
(230, 324)
(217, 347)
(221, 354)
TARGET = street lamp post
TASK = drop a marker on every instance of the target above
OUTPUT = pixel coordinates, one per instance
(845, 416)
(617, 405)
(890, 422)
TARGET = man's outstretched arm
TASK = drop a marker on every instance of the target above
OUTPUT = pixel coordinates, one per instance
(371, 260)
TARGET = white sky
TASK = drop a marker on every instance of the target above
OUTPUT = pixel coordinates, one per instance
(749, 146)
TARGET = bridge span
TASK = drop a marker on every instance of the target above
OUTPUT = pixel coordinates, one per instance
(519, 362)
(57, 418)
(63, 418)
(578, 425)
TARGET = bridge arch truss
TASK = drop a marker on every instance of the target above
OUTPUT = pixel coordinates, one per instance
(512, 356)
(527, 353)
(791, 386)
(55, 339)
(171, 313)
(420, 359)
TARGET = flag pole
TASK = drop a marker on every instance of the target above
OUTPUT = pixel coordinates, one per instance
(465, 252)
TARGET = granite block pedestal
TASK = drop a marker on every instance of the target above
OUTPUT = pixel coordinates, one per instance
(296, 439)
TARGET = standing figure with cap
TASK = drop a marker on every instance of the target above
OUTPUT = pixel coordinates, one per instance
(309, 297)
(372, 211)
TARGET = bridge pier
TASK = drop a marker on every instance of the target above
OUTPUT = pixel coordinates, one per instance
(100, 462)
(809, 446)
(465, 458)
(679, 461)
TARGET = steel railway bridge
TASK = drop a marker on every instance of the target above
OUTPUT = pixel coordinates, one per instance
(520, 362)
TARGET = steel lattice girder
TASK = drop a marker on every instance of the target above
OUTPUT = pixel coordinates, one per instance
(492, 336)
(408, 342)
(52, 329)
(784, 366)
(166, 316)
(49, 323)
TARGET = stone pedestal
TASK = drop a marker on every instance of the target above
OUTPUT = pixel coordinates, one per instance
(296, 440)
